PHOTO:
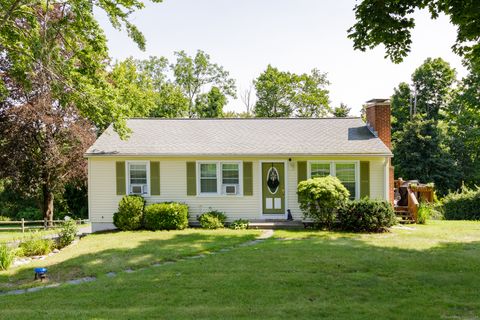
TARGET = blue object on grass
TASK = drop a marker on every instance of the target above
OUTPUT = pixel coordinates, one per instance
(40, 273)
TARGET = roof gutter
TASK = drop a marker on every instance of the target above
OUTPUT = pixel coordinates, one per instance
(177, 155)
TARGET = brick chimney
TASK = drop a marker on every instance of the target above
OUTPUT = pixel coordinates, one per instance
(378, 121)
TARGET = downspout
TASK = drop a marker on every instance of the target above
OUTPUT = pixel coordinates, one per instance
(386, 186)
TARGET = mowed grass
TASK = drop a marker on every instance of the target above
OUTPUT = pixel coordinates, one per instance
(98, 254)
(431, 272)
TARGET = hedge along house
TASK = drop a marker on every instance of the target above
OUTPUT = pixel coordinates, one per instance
(247, 168)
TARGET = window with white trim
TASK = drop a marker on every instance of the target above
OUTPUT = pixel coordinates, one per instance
(208, 178)
(138, 178)
(319, 170)
(219, 178)
(346, 172)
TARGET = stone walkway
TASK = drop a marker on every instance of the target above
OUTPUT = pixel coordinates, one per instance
(265, 235)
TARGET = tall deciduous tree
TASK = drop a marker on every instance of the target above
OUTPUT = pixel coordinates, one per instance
(420, 153)
(463, 117)
(285, 94)
(390, 23)
(432, 83)
(210, 105)
(62, 41)
(195, 74)
(42, 148)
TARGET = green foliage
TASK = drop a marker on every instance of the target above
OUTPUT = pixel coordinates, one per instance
(390, 23)
(433, 82)
(213, 219)
(285, 94)
(401, 103)
(420, 153)
(341, 111)
(3, 218)
(424, 213)
(193, 74)
(210, 105)
(29, 213)
(76, 197)
(366, 215)
(68, 233)
(35, 245)
(320, 199)
(63, 43)
(239, 224)
(130, 213)
(166, 216)
(464, 128)
(6, 257)
(462, 205)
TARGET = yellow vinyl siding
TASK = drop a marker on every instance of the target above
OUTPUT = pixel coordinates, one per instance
(103, 201)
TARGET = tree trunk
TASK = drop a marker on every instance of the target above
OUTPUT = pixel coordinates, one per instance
(48, 204)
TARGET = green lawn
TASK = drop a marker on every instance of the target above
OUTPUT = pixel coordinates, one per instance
(432, 272)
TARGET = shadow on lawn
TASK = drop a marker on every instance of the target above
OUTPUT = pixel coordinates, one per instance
(341, 278)
(147, 252)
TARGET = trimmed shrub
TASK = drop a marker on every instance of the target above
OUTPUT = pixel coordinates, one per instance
(6, 257)
(462, 205)
(213, 219)
(166, 216)
(130, 213)
(67, 233)
(366, 215)
(320, 199)
(240, 224)
(34, 245)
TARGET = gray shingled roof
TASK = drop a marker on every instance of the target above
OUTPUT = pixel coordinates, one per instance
(249, 137)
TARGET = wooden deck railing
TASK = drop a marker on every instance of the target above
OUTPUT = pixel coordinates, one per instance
(412, 205)
(23, 225)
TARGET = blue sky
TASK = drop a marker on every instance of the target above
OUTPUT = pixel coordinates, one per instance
(245, 36)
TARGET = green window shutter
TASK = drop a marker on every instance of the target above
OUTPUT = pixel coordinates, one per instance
(191, 179)
(120, 177)
(301, 171)
(364, 179)
(155, 178)
(247, 178)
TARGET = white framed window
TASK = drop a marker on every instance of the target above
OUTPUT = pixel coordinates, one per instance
(138, 177)
(346, 171)
(208, 178)
(219, 178)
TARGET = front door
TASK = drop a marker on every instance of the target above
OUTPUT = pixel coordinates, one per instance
(273, 188)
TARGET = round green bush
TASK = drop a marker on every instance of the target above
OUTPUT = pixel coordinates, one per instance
(166, 216)
(320, 198)
(366, 216)
(130, 213)
(212, 220)
(67, 233)
(239, 224)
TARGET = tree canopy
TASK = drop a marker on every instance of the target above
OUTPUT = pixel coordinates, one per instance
(390, 23)
(285, 94)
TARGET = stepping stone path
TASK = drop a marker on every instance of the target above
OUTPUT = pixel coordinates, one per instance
(265, 235)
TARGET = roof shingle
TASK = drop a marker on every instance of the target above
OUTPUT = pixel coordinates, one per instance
(249, 137)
